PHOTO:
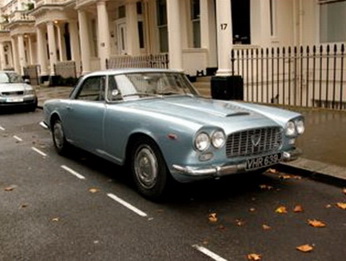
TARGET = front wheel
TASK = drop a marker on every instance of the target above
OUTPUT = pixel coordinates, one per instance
(60, 143)
(149, 169)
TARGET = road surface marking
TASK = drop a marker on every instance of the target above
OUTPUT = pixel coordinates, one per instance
(17, 138)
(2, 128)
(128, 205)
(71, 171)
(39, 151)
(209, 253)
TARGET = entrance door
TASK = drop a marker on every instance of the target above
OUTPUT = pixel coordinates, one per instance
(241, 21)
(122, 40)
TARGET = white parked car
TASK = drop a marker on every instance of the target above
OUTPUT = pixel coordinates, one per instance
(14, 92)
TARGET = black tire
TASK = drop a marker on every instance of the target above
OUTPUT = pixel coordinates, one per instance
(60, 143)
(149, 171)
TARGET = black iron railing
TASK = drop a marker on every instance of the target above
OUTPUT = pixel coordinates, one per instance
(299, 76)
(142, 61)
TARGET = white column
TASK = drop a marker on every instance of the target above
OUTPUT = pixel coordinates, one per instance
(41, 51)
(84, 41)
(30, 50)
(103, 30)
(132, 29)
(2, 57)
(74, 42)
(52, 47)
(15, 55)
(224, 36)
(208, 34)
(21, 53)
(174, 35)
(61, 42)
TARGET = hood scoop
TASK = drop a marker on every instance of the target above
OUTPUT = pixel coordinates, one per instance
(240, 113)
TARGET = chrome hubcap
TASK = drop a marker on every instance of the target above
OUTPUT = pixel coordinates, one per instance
(146, 166)
(58, 136)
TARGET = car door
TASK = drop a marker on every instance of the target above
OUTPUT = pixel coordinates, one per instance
(85, 114)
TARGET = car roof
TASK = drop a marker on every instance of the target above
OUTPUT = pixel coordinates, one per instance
(131, 70)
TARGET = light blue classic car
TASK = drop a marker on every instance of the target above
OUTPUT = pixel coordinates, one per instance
(155, 122)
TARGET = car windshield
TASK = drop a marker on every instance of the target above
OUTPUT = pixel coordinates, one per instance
(10, 77)
(136, 85)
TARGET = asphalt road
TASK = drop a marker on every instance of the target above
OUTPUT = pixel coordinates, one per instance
(83, 208)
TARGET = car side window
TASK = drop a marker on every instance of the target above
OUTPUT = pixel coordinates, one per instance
(92, 89)
(113, 93)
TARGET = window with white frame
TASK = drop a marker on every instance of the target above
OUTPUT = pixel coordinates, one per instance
(161, 8)
(332, 21)
(196, 27)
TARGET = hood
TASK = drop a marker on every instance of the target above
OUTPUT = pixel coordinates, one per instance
(224, 114)
(14, 87)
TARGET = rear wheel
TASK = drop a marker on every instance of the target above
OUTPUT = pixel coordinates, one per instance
(60, 143)
(149, 169)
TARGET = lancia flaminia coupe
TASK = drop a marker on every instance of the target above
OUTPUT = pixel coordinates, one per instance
(155, 122)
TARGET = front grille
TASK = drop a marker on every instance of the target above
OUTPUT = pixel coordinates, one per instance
(12, 93)
(254, 141)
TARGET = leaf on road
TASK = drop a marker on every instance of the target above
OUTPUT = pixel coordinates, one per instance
(298, 209)
(328, 206)
(240, 222)
(281, 210)
(93, 190)
(212, 217)
(254, 257)
(272, 171)
(266, 187)
(316, 223)
(10, 188)
(341, 205)
(344, 191)
(252, 209)
(285, 176)
(305, 248)
(266, 227)
(56, 219)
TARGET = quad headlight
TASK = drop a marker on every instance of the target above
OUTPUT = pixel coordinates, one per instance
(294, 127)
(300, 126)
(218, 139)
(202, 141)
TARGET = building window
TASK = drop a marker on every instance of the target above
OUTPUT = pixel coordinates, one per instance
(141, 34)
(241, 21)
(161, 7)
(196, 27)
(332, 21)
(121, 12)
(139, 7)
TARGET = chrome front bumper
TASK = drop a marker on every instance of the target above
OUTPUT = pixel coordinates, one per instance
(218, 171)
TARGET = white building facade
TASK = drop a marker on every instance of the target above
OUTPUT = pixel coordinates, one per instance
(196, 35)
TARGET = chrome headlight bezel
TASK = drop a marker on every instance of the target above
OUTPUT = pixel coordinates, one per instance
(218, 139)
(202, 141)
(290, 129)
(300, 127)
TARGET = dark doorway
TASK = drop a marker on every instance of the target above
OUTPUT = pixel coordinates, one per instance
(241, 21)
(67, 42)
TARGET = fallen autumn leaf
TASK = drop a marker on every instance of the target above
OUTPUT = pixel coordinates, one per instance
(254, 257)
(212, 217)
(316, 223)
(341, 205)
(266, 227)
(305, 248)
(298, 209)
(281, 210)
(93, 190)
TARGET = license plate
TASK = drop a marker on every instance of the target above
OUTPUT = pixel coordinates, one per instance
(262, 162)
(14, 100)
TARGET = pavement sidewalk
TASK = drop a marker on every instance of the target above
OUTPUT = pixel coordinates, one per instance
(323, 143)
